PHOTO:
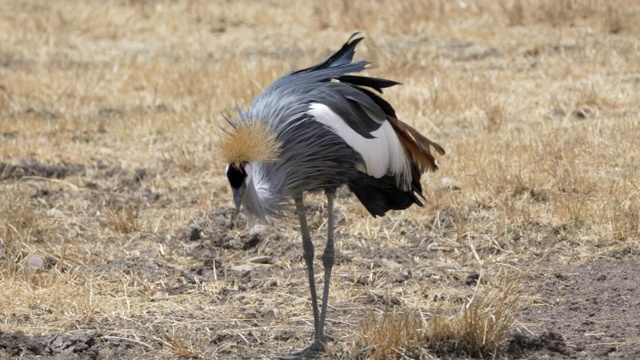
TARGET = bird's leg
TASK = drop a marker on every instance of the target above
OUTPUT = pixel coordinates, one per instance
(327, 262)
(318, 340)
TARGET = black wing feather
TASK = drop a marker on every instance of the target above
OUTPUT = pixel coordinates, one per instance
(344, 56)
(375, 83)
(384, 104)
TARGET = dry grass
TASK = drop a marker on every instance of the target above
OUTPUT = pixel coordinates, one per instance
(180, 349)
(534, 101)
(478, 329)
(391, 335)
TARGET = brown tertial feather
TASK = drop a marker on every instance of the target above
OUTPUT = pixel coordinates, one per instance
(417, 145)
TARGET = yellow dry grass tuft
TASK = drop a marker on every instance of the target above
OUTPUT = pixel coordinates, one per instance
(124, 219)
(180, 349)
(478, 330)
(391, 334)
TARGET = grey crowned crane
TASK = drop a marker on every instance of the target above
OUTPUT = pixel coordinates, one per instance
(317, 129)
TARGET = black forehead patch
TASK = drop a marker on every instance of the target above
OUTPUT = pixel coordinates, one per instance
(236, 176)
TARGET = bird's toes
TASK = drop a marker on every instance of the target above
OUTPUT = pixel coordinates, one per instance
(312, 351)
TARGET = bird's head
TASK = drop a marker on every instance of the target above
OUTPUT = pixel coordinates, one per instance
(239, 174)
(247, 142)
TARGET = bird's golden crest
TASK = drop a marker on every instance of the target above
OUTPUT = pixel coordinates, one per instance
(250, 141)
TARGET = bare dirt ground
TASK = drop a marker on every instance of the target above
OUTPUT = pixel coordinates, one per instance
(116, 238)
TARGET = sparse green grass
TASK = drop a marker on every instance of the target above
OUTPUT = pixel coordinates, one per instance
(534, 101)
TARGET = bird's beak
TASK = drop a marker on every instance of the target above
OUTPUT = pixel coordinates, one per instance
(237, 196)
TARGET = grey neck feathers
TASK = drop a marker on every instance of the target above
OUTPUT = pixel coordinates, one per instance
(261, 200)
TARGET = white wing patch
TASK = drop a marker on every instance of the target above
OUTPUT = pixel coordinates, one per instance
(383, 154)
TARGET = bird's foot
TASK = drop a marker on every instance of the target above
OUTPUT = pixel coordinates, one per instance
(314, 349)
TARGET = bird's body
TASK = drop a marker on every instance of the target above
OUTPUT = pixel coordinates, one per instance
(324, 128)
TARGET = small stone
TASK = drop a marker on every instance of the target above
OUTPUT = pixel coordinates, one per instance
(139, 175)
(390, 263)
(195, 234)
(242, 268)
(559, 111)
(472, 279)
(447, 181)
(407, 274)
(56, 213)
(257, 229)
(251, 242)
(448, 184)
(101, 165)
(261, 260)
(159, 295)
(35, 262)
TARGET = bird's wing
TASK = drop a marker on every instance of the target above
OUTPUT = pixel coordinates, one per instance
(331, 83)
(337, 65)
(354, 106)
(350, 106)
(381, 151)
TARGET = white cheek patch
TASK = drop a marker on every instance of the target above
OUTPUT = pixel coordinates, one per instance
(249, 170)
(383, 154)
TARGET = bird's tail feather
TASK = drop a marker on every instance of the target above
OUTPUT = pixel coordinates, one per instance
(344, 56)
(379, 195)
(375, 83)
(418, 146)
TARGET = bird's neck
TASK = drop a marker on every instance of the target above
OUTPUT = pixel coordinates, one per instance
(260, 199)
